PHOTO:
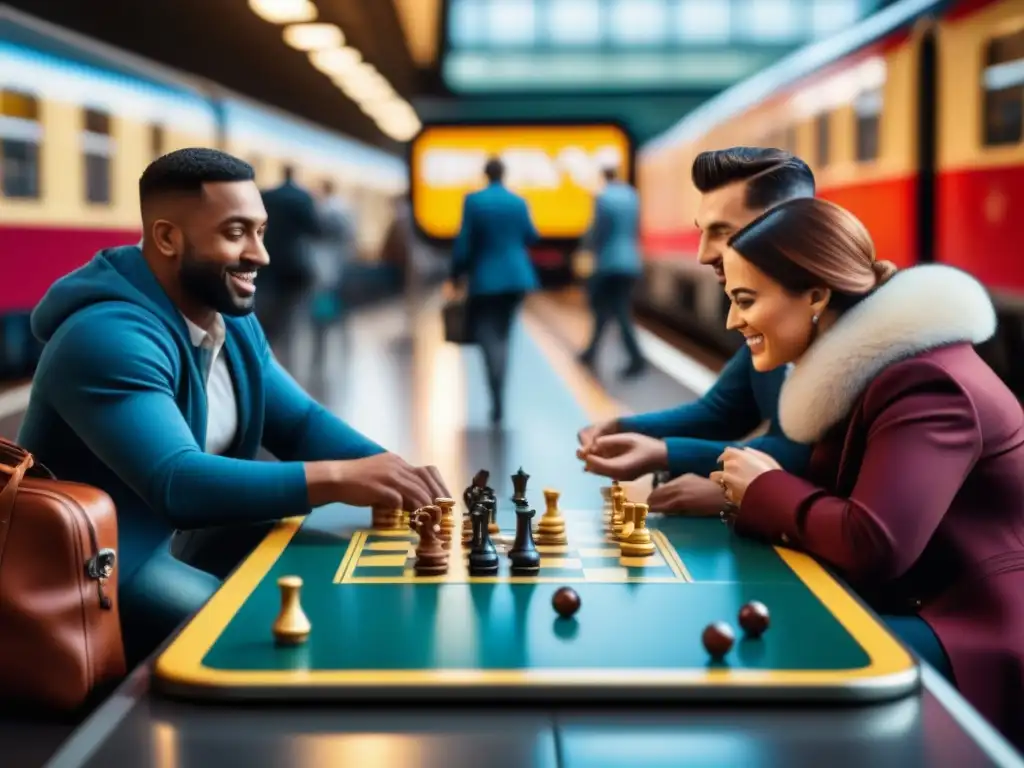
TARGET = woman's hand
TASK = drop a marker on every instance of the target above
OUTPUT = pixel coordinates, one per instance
(740, 467)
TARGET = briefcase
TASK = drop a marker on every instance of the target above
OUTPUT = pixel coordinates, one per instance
(61, 641)
(456, 322)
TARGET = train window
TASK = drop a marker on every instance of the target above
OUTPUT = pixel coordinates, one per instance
(867, 109)
(1003, 82)
(97, 149)
(157, 141)
(21, 135)
(821, 130)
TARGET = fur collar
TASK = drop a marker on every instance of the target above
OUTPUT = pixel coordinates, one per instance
(918, 309)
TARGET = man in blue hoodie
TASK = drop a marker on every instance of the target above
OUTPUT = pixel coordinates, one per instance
(736, 185)
(157, 385)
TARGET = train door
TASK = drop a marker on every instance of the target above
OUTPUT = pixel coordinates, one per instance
(927, 140)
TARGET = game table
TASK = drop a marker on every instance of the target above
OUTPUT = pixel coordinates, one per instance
(380, 632)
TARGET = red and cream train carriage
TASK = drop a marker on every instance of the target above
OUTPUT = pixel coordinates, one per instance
(79, 122)
(912, 120)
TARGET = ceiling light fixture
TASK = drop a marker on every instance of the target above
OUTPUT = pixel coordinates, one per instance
(313, 37)
(335, 62)
(284, 11)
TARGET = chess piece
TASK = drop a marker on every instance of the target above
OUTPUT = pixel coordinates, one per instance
(447, 520)
(472, 492)
(386, 519)
(638, 543)
(431, 559)
(618, 499)
(519, 481)
(606, 508)
(483, 557)
(292, 627)
(524, 556)
(490, 502)
(551, 526)
(628, 510)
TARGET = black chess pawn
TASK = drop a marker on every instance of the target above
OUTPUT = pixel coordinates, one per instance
(524, 556)
(483, 557)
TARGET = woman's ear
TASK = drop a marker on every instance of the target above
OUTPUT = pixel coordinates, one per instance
(820, 298)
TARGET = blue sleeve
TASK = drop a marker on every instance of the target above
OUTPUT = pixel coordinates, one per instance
(297, 428)
(308, 218)
(700, 457)
(592, 237)
(532, 235)
(112, 375)
(462, 249)
(728, 411)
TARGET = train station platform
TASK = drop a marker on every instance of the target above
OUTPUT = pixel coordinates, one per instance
(427, 400)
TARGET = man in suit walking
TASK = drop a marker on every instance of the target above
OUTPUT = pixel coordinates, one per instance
(613, 240)
(492, 250)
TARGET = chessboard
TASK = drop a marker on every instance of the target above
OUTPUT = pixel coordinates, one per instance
(389, 556)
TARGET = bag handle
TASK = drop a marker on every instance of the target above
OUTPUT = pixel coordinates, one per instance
(10, 492)
(12, 455)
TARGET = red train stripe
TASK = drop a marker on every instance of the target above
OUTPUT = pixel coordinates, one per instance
(887, 208)
(979, 219)
(34, 257)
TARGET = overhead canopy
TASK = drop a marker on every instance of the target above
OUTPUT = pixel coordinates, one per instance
(232, 43)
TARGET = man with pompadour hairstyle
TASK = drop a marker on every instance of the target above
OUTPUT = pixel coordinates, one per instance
(156, 384)
(737, 185)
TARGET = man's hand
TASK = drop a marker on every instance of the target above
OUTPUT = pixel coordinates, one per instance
(626, 456)
(387, 481)
(689, 495)
(590, 433)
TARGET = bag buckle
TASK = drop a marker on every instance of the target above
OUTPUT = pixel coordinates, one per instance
(101, 566)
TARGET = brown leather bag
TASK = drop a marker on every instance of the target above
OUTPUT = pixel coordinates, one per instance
(60, 631)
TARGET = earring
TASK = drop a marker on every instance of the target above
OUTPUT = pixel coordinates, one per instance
(814, 320)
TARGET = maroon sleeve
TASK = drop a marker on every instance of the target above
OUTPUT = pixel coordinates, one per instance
(923, 439)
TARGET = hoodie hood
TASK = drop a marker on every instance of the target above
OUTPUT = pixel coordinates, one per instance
(115, 274)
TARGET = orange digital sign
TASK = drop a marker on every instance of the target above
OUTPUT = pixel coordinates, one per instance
(556, 169)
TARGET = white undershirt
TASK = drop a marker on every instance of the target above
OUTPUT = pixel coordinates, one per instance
(221, 406)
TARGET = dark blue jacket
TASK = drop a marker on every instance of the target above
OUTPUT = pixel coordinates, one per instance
(614, 232)
(739, 402)
(492, 245)
(292, 224)
(119, 403)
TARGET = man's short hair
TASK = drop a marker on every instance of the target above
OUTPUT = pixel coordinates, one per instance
(186, 170)
(772, 175)
(494, 170)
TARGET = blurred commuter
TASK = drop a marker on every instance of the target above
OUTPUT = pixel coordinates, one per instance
(289, 282)
(492, 251)
(612, 238)
(333, 253)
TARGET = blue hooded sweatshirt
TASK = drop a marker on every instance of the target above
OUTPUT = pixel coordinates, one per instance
(119, 402)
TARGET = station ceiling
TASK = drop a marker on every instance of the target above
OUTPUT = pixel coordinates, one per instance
(225, 42)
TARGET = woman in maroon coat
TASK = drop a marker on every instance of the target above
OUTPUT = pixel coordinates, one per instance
(915, 495)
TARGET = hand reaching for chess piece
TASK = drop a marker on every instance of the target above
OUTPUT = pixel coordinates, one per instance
(384, 480)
